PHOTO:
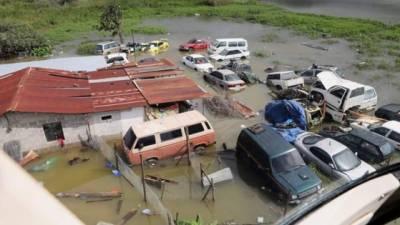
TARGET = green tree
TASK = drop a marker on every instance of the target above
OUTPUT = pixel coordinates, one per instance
(111, 20)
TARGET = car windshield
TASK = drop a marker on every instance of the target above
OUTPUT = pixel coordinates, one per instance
(224, 52)
(231, 77)
(192, 41)
(200, 60)
(287, 162)
(346, 160)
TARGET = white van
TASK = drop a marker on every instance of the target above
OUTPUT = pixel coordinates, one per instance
(228, 43)
(342, 95)
(105, 48)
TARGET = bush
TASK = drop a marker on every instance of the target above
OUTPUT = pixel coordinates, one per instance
(18, 38)
(86, 48)
(216, 2)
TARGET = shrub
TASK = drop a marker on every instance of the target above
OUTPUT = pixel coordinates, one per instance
(216, 2)
(86, 48)
(21, 38)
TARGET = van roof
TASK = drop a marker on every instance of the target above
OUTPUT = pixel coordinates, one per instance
(105, 42)
(168, 123)
(269, 140)
(230, 39)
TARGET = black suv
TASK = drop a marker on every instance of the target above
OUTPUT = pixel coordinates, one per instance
(280, 161)
(389, 112)
(367, 145)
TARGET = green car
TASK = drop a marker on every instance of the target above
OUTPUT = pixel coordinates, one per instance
(280, 161)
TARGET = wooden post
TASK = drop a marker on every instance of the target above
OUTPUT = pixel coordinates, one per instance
(162, 190)
(116, 160)
(213, 190)
(143, 181)
(187, 144)
(201, 174)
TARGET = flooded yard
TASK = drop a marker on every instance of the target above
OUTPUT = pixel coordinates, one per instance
(247, 196)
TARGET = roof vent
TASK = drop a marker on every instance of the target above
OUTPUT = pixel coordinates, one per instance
(257, 128)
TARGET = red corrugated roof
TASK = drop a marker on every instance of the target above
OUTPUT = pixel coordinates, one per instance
(58, 91)
(170, 89)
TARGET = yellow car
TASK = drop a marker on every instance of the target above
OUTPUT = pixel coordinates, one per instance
(155, 47)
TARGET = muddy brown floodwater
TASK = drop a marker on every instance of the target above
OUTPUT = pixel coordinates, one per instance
(244, 198)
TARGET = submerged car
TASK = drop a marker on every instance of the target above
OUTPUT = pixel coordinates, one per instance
(389, 112)
(331, 157)
(197, 62)
(116, 59)
(243, 70)
(194, 44)
(230, 54)
(366, 145)
(285, 170)
(284, 80)
(389, 130)
(155, 47)
(225, 79)
(310, 74)
(132, 47)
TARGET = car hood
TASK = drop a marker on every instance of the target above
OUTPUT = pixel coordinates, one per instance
(328, 79)
(359, 171)
(298, 180)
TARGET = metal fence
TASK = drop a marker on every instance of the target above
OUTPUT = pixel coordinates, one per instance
(134, 179)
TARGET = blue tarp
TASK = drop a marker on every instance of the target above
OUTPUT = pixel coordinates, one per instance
(281, 112)
(289, 134)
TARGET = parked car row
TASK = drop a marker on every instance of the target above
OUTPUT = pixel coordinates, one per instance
(153, 47)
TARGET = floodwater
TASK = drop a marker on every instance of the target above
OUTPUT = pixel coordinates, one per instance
(245, 197)
(386, 11)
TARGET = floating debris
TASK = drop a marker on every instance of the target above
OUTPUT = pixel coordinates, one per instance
(44, 165)
(228, 107)
(218, 176)
(127, 217)
(315, 46)
(32, 155)
(89, 195)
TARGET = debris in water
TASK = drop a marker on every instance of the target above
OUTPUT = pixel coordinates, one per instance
(228, 107)
(88, 195)
(77, 160)
(44, 165)
(99, 200)
(127, 217)
(260, 219)
(116, 173)
(147, 212)
(315, 46)
(32, 155)
(103, 223)
(119, 205)
(218, 176)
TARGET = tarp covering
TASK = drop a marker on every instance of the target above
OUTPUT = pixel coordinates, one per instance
(285, 112)
(289, 134)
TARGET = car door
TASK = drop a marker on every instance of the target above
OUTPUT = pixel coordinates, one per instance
(189, 61)
(335, 97)
(324, 161)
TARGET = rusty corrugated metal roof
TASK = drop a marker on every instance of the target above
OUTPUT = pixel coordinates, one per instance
(170, 89)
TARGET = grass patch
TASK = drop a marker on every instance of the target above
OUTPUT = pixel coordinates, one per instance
(86, 48)
(365, 65)
(271, 37)
(375, 78)
(383, 65)
(397, 64)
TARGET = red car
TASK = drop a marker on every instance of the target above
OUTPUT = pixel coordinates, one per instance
(194, 44)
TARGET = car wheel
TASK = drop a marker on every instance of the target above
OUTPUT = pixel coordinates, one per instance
(195, 69)
(278, 87)
(191, 50)
(243, 57)
(318, 98)
(152, 162)
(205, 78)
(220, 60)
(183, 63)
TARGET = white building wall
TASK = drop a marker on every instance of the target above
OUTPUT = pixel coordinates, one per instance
(27, 128)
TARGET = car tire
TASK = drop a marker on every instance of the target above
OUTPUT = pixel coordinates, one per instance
(318, 98)
(191, 50)
(220, 60)
(205, 78)
(184, 63)
(278, 87)
(243, 58)
(195, 69)
(152, 162)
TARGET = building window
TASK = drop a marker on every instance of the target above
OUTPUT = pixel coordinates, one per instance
(53, 131)
(108, 117)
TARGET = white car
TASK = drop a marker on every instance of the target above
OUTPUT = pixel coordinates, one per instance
(116, 59)
(230, 54)
(390, 130)
(342, 95)
(284, 80)
(331, 157)
(197, 62)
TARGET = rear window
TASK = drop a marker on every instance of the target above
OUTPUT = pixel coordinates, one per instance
(394, 136)
(196, 128)
(99, 47)
(129, 138)
(171, 135)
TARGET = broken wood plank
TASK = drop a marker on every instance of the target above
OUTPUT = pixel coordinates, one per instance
(99, 200)
(119, 205)
(218, 176)
(127, 217)
(159, 179)
(86, 195)
(315, 46)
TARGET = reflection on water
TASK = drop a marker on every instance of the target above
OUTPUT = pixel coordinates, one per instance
(383, 10)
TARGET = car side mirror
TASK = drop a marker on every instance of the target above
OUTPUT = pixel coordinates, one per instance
(331, 165)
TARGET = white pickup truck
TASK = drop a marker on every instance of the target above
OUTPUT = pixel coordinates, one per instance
(284, 80)
(341, 95)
